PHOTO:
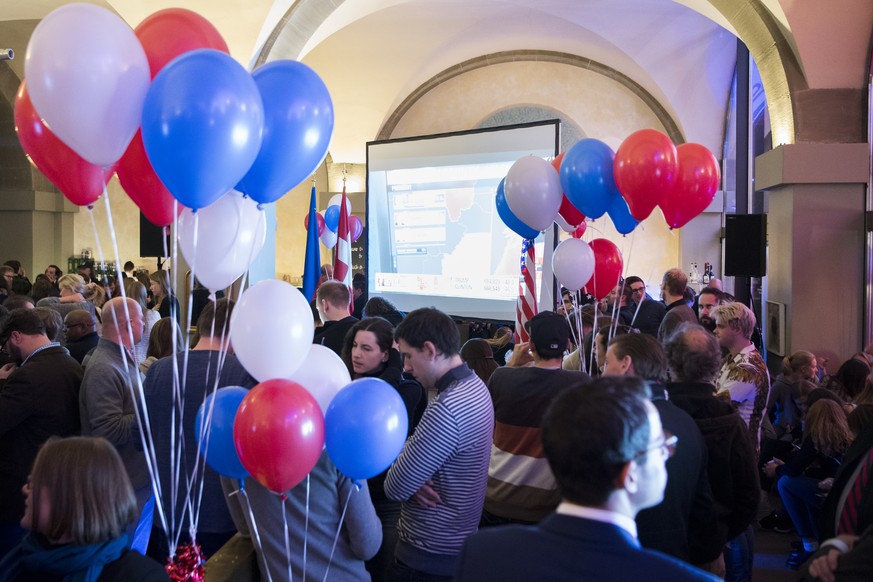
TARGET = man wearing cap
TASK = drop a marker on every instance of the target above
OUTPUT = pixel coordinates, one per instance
(521, 486)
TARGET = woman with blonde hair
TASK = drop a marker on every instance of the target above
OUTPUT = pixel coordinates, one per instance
(501, 344)
(826, 437)
(72, 297)
(78, 502)
(162, 292)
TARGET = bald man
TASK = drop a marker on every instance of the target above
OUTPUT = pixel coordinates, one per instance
(106, 402)
(81, 330)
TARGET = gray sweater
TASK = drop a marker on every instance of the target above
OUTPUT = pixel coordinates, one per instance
(359, 538)
(107, 409)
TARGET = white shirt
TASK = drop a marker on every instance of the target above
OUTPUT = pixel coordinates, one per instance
(601, 515)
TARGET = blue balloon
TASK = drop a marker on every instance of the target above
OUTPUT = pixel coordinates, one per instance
(510, 219)
(202, 125)
(365, 428)
(331, 217)
(620, 214)
(586, 176)
(298, 124)
(221, 453)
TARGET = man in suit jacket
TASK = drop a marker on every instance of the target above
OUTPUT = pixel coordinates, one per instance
(39, 398)
(607, 450)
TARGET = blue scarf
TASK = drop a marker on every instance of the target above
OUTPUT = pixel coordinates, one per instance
(74, 563)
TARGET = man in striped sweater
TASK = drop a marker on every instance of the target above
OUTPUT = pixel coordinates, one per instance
(521, 486)
(442, 471)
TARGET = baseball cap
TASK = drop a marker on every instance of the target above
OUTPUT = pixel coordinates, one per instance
(548, 331)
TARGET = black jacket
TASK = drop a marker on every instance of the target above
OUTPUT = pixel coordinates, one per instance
(680, 524)
(39, 400)
(733, 470)
(333, 333)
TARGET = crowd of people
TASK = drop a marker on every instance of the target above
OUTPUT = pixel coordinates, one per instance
(628, 438)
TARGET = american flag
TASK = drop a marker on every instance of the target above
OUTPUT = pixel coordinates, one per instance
(526, 307)
(342, 259)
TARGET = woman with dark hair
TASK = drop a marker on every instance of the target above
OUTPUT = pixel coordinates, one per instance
(160, 342)
(477, 354)
(78, 502)
(368, 352)
(379, 307)
(162, 292)
(849, 380)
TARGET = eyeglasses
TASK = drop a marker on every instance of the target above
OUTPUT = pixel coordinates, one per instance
(638, 290)
(667, 447)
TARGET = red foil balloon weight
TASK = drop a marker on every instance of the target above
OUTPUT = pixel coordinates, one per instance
(80, 181)
(696, 183)
(279, 433)
(187, 565)
(608, 265)
(645, 169)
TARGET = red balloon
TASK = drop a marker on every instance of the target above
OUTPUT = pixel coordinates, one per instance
(567, 211)
(279, 433)
(139, 180)
(608, 265)
(168, 33)
(80, 181)
(645, 169)
(695, 187)
(319, 219)
(580, 230)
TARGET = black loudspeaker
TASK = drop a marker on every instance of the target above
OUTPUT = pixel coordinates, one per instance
(745, 245)
(151, 241)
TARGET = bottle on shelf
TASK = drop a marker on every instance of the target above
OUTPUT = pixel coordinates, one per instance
(707, 273)
(694, 274)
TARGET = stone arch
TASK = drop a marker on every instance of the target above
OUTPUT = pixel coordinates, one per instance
(672, 128)
(769, 44)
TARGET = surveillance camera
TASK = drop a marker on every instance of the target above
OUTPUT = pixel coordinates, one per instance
(7, 54)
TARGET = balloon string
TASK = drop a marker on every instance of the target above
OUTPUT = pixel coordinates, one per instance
(140, 407)
(257, 536)
(284, 498)
(338, 529)
(306, 528)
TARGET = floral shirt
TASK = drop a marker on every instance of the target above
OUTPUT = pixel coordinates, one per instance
(744, 379)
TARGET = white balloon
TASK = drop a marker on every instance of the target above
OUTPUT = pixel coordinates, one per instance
(533, 192)
(323, 374)
(337, 198)
(328, 238)
(271, 329)
(222, 240)
(88, 75)
(573, 263)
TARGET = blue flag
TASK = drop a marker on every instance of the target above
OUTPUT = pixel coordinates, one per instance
(312, 263)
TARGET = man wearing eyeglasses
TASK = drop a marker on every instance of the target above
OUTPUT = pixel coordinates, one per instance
(607, 450)
(39, 398)
(647, 313)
